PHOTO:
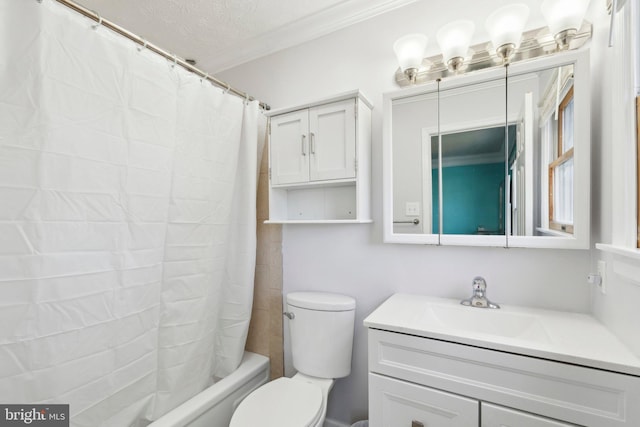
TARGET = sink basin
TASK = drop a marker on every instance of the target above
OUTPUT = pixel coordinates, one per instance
(496, 322)
(573, 338)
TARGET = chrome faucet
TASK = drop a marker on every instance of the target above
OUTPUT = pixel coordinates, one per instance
(479, 297)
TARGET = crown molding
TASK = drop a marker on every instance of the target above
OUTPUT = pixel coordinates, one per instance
(332, 19)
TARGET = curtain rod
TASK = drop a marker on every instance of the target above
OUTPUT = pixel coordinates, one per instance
(139, 40)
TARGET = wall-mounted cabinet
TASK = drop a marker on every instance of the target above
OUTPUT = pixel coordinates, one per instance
(319, 161)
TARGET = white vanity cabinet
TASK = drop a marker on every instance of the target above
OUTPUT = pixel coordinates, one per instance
(563, 370)
(497, 416)
(438, 383)
(319, 161)
(393, 402)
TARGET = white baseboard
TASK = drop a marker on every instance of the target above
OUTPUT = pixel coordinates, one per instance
(328, 422)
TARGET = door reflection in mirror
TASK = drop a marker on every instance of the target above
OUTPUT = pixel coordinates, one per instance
(473, 180)
(472, 124)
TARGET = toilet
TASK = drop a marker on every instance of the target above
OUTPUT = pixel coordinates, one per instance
(321, 338)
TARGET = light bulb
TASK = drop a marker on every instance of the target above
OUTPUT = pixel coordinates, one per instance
(454, 39)
(564, 18)
(505, 27)
(409, 50)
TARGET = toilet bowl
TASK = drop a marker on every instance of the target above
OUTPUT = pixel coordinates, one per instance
(285, 402)
(321, 332)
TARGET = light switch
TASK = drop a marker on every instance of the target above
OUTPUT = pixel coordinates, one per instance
(412, 209)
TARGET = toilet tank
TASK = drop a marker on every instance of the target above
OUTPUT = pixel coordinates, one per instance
(321, 333)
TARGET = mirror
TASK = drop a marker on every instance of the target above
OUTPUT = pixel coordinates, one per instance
(491, 158)
(473, 180)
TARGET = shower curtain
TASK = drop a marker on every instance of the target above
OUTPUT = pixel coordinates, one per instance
(127, 221)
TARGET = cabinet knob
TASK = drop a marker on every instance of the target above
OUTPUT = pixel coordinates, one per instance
(415, 423)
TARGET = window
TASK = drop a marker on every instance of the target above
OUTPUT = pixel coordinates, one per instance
(561, 170)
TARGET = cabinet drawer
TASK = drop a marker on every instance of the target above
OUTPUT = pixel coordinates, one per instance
(577, 394)
(497, 416)
(395, 403)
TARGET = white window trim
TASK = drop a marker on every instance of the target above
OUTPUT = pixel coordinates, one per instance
(626, 86)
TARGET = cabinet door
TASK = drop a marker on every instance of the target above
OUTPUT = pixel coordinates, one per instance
(332, 139)
(395, 403)
(498, 416)
(289, 148)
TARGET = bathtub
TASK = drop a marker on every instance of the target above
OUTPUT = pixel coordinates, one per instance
(214, 406)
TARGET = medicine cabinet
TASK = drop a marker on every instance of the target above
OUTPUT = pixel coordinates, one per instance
(498, 157)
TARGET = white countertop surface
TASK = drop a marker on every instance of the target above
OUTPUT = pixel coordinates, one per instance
(556, 335)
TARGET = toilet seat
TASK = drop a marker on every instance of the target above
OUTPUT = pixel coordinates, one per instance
(280, 403)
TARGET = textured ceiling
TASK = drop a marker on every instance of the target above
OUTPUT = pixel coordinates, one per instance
(220, 34)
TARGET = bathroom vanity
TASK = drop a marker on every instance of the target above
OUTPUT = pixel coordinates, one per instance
(434, 362)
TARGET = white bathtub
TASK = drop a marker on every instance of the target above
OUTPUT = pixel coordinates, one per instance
(215, 405)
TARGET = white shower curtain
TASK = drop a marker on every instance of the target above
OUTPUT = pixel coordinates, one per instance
(127, 221)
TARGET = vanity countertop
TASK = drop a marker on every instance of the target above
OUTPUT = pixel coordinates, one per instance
(556, 335)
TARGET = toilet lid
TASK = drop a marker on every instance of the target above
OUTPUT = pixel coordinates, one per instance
(280, 403)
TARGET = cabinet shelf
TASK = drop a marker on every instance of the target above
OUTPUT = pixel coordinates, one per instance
(316, 184)
(320, 221)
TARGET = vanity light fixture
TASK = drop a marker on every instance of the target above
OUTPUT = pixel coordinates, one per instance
(505, 27)
(509, 42)
(409, 50)
(564, 18)
(454, 39)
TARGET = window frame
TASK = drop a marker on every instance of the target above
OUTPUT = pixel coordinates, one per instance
(561, 157)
